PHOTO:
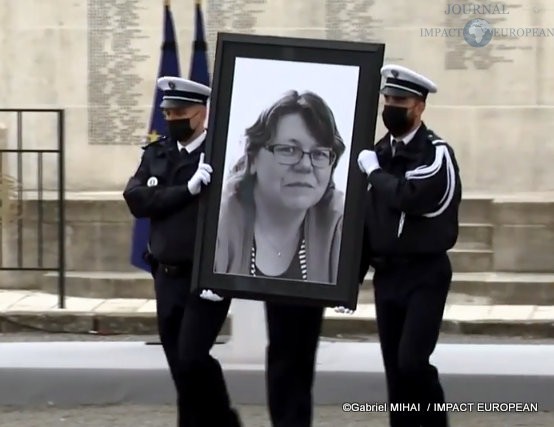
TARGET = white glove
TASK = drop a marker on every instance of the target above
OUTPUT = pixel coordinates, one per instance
(367, 161)
(210, 296)
(201, 176)
(344, 310)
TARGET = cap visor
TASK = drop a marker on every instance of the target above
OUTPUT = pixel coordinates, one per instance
(398, 93)
(175, 103)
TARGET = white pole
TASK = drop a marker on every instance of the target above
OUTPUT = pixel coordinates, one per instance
(248, 331)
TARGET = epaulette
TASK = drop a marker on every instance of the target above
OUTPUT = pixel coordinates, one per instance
(433, 138)
(160, 141)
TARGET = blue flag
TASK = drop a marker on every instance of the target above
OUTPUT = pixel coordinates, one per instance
(169, 66)
(199, 64)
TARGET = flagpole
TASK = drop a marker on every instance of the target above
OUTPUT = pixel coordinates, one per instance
(168, 66)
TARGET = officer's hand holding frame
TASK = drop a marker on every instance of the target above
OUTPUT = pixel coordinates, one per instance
(368, 162)
(201, 176)
(210, 296)
(343, 310)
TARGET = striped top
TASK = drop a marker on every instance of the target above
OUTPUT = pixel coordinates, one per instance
(298, 268)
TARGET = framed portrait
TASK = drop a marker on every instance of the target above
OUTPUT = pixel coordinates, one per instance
(282, 218)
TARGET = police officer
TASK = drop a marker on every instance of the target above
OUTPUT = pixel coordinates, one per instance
(413, 197)
(166, 188)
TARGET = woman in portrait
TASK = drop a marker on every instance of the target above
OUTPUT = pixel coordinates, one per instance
(281, 217)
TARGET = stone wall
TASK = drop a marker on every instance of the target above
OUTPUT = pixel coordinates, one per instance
(97, 59)
(519, 236)
(523, 237)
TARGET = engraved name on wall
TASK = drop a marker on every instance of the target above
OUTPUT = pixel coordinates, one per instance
(239, 16)
(113, 97)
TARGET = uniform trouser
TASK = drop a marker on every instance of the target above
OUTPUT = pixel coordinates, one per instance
(410, 302)
(293, 335)
(188, 327)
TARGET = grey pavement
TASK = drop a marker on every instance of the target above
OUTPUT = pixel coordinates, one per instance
(102, 373)
(253, 416)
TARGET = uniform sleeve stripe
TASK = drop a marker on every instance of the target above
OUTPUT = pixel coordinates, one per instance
(450, 187)
(427, 171)
(424, 172)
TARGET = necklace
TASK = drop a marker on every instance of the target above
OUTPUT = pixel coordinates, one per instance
(272, 244)
(301, 258)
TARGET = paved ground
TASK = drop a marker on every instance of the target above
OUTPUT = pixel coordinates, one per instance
(22, 310)
(444, 338)
(253, 416)
(78, 373)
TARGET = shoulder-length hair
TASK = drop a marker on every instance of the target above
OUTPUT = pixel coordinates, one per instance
(319, 120)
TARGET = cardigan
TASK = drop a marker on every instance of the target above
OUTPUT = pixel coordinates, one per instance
(323, 232)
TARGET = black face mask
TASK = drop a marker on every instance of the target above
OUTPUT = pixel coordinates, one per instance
(396, 120)
(180, 130)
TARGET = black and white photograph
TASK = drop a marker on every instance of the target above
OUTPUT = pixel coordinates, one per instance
(286, 169)
(283, 161)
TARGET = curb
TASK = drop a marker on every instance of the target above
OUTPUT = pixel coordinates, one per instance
(499, 290)
(145, 324)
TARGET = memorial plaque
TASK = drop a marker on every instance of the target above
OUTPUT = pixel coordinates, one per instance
(114, 98)
(237, 16)
(355, 21)
(352, 20)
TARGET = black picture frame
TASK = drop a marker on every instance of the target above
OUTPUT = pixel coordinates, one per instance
(369, 58)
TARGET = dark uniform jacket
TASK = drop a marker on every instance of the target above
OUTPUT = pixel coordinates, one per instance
(169, 205)
(413, 200)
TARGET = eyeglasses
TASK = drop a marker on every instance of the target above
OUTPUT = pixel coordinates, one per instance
(291, 155)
